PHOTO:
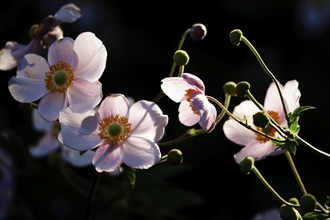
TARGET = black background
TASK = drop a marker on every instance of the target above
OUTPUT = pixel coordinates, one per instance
(140, 38)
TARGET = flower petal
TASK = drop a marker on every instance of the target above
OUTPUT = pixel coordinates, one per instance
(208, 119)
(40, 123)
(292, 95)
(51, 104)
(148, 120)
(237, 133)
(114, 104)
(186, 116)
(33, 66)
(79, 131)
(47, 144)
(175, 88)
(245, 110)
(140, 153)
(92, 56)
(273, 101)
(68, 13)
(108, 158)
(256, 150)
(84, 95)
(62, 50)
(194, 80)
(77, 159)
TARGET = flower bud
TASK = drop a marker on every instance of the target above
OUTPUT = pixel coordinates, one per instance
(181, 58)
(175, 157)
(242, 88)
(235, 37)
(198, 32)
(230, 88)
(308, 202)
(260, 119)
(289, 213)
(246, 165)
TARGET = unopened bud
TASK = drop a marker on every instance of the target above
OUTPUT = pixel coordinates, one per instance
(175, 157)
(235, 37)
(260, 119)
(308, 202)
(246, 165)
(289, 213)
(181, 58)
(230, 88)
(242, 88)
(198, 32)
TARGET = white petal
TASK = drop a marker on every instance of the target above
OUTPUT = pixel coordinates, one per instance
(108, 158)
(39, 122)
(175, 88)
(238, 133)
(47, 144)
(92, 56)
(140, 153)
(186, 116)
(256, 150)
(76, 158)
(87, 121)
(84, 95)
(62, 50)
(292, 95)
(51, 104)
(68, 13)
(273, 101)
(33, 66)
(147, 120)
(114, 104)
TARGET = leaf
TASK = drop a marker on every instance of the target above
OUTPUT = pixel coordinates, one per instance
(293, 116)
(294, 127)
(315, 216)
(290, 145)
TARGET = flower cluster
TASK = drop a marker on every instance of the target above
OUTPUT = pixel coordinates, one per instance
(114, 134)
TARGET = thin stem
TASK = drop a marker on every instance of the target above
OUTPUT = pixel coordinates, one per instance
(226, 105)
(295, 172)
(188, 134)
(183, 38)
(270, 74)
(271, 189)
(96, 180)
(312, 148)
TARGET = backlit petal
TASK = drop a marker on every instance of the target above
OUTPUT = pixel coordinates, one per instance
(238, 133)
(114, 104)
(108, 158)
(62, 50)
(256, 150)
(47, 144)
(51, 104)
(68, 13)
(175, 88)
(186, 116)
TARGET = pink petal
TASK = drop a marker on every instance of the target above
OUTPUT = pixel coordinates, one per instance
(195, 81)
(147, 120)
(175, 88)
(84, 95)
(68, 13)
(33, 66)
(114, 104)
(273, 101)
(76, 158)
(108, 158)
(256, 150)
(62, 50)
(238, 133)
(208, 119)
(92, 56)
(140, 153)
(246, 109)
(51, 104)
(292, 95)
(186, 116)
(47, 144)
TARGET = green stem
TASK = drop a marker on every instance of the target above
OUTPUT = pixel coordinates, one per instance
(226, 105)
(295, 172)
(96, 180)
(188, 134)
(313, 149)
(271, 189)
(270, 74)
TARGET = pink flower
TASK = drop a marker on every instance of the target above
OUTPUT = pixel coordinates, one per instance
(256, 145)
(194, 105)
(45, 33)
(120, 132)
(69, 78)
(49, 143)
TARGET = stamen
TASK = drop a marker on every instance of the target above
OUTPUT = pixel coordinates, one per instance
(270, 131)
(187, 95)
(60, 77)
(114, 129)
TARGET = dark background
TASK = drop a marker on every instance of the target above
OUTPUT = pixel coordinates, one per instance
(293, 37)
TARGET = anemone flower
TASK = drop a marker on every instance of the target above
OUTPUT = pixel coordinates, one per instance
(254, 144)
(49, 143)
(68, 79)
(189, 91)
(119, 133)
(43, 35)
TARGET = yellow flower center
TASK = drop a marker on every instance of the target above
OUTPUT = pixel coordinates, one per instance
(187, 95)
(114, 129)
(60, 77)
(269, 130)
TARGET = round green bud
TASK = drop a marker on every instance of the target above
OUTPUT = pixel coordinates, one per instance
(230, 88)
(198, 32)
(235, 37)
(246, 165)
(181, 58)
(289, 213)
(260, 119)
(294, 200)
(175, 157)
(308, 202)
(242, 88)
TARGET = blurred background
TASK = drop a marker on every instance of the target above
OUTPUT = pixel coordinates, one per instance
(293, 38)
